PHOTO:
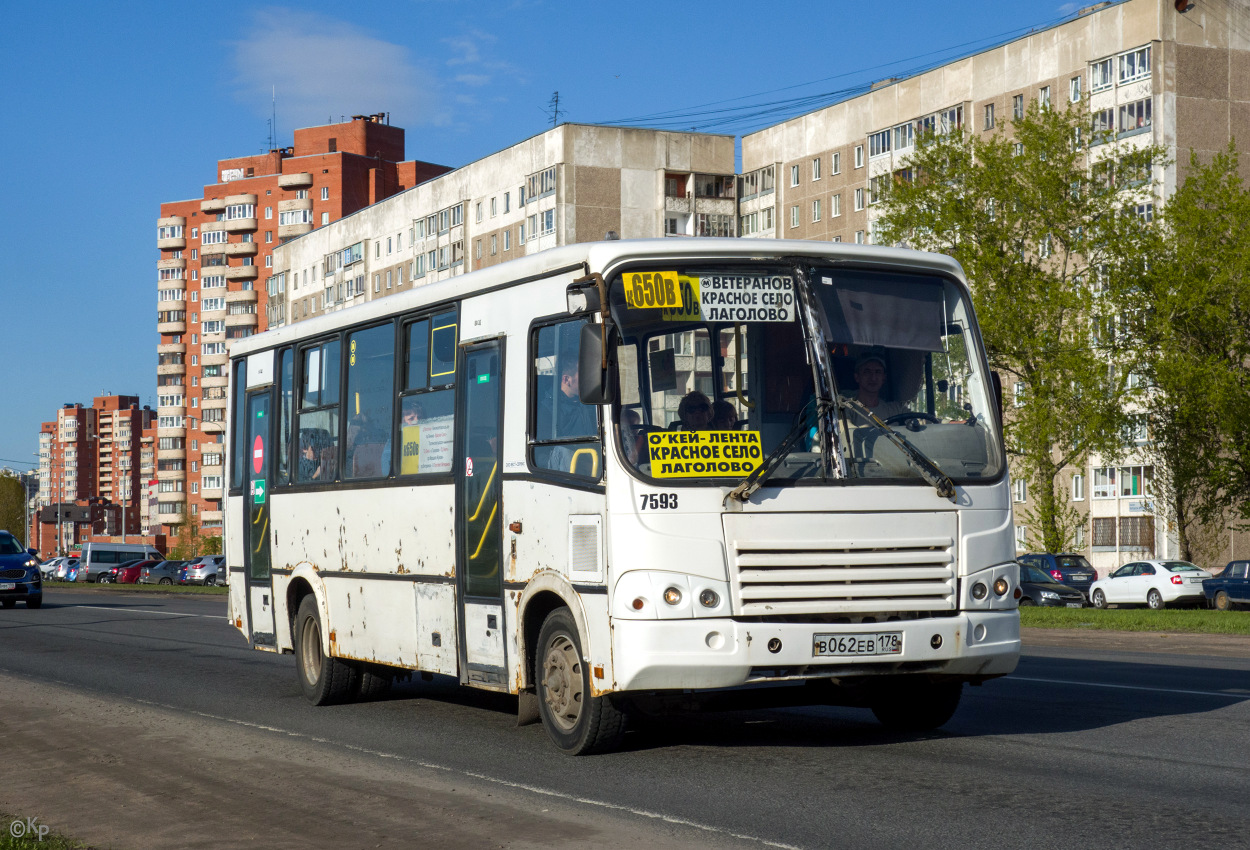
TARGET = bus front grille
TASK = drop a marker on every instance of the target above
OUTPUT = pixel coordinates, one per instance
(811, 571)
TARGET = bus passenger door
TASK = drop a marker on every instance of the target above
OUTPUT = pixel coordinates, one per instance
(258, 434)
(479, 518)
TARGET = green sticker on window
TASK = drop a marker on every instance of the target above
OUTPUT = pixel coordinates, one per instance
(483, 379)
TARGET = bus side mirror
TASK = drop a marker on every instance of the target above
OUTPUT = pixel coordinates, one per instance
(998, 393)
(596, 385)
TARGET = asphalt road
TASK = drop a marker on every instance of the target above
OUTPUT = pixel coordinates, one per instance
(106, 699)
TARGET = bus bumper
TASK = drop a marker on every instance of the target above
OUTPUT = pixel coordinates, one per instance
(722, 653)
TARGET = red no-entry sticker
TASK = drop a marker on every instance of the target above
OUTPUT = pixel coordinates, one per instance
(258, 453)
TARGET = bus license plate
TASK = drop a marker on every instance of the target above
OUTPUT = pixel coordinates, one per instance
(6, 585)
(879, 643)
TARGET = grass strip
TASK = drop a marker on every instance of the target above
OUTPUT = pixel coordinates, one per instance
(1181, 620)
(192, 589)
(19, 833)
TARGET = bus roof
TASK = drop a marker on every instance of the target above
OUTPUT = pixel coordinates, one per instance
(599, 256)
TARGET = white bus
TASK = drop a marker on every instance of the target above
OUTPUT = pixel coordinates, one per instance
(628, 470)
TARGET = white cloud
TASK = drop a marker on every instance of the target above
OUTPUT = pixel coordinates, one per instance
(323, 69)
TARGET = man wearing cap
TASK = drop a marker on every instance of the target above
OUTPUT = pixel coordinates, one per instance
(870, 377)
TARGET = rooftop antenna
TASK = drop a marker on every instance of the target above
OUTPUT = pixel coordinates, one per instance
(554, 104)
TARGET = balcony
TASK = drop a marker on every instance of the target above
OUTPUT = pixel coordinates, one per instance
(302, 180)
(239, 225)
(214, 359)
(211, 404)
(238, 249)
(213, 205)
(211, 492)
(171, 475)
(172, 263)
(241, 272)
(242, 296)
(287, 231)
(219, 381)
(181, 498)
(174, 243)
(171, 368)
(172, 348)
(241, 320)
(171, 454)
(212, 251)
(295, 204)
(211, 516)
(175, 327)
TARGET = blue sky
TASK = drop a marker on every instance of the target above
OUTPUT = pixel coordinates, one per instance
(111, 109)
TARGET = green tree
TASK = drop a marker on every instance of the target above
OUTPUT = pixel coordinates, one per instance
(1195, 306)
(12, 510)
(1037, 218)
(190, 541)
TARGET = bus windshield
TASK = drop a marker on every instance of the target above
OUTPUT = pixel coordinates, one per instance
(834, 375)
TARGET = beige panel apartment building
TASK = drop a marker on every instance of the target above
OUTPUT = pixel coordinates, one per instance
(1151, 74)
(573, 183)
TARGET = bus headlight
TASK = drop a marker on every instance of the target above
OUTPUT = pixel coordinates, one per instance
(991, 588)
(1001, 586)
(638, 593)
(979, 590)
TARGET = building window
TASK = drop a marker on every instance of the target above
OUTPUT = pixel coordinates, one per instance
(388, 280)
(794, 175)
(1104, 483)
(876, 188)
(1043, 97)
(835, 205)
(268, 236)
(1022, 535)
(1019, 490)
(859, 199)
(478, 212)
(325, 219)
(1079, 536)
(816, 168)
(859, 237)
(494, 245)
(859, 156)
(507, 236)
(1078, 487)
(1017, 107)
(794, 216)
(377, 283)
(1074, 89)
(1017, 392)
(816, 210)
(1135, 116)
(989, 116)
(1100, 75)
(878, 144)
(836, 164)
(1134, 65)
(325, 193)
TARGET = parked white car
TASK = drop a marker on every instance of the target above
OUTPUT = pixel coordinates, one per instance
(1153, 583)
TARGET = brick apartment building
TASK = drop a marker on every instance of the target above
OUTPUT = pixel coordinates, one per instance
(212, 251)
(91, 478)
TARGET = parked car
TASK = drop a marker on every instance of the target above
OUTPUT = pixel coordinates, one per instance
(1041, 589)
(1230, 587)
(210, 569)
(110, 575)
(1153, 583)
(64, 568)
(20, 579)
(163, 572)
(99, 558)
(1070, 569)
(126, 573)
(48, 568)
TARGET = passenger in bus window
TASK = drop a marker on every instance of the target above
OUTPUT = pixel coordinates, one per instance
(724, 416)
(631, 434)
(573, 419)
(309, 456)
(695, 412)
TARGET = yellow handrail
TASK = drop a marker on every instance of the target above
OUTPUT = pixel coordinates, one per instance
(594, 462)
(485, 492)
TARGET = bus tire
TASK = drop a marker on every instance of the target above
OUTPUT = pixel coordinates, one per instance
(375, 681)
(577, 723)
(916, 706)
(324, 679)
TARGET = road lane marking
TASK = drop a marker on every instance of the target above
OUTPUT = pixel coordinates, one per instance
(141, 611)
(1225, 694)
(548, 792)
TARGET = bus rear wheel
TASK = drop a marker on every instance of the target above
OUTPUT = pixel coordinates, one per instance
(916, 706)
(324, 679)
(576, 722)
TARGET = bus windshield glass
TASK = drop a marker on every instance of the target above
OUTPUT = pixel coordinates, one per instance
(832, 375)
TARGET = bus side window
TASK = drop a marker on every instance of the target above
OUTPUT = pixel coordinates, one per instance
(319, 413)
(427, 400)
(565, 432)
(286, 391)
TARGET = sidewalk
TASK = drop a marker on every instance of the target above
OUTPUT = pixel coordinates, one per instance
(1228, 646)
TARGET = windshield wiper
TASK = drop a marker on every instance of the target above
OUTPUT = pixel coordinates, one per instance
(928, 470)
(770, 463)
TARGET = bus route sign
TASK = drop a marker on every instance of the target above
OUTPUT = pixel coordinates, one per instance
(733, 298)
(702, 454)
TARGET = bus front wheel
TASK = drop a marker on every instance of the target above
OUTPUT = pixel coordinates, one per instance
(916, 706)
(577, 723)
(324, 679)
